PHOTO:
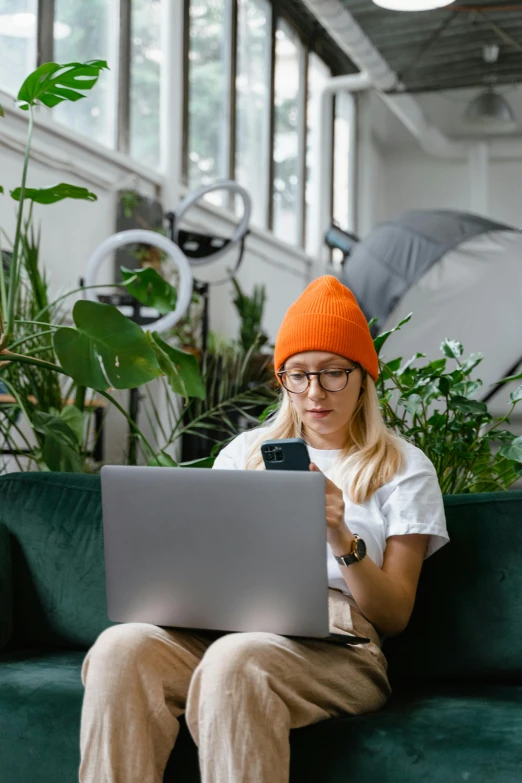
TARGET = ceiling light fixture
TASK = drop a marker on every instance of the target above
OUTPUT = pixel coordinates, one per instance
(490, 111)
(412, 5)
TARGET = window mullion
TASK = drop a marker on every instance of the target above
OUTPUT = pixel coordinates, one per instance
(124, 68)
(302, 130)
(231, 70)
(45, 32)
(271, 123)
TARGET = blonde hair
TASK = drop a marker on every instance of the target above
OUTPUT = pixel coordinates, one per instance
(371, 457)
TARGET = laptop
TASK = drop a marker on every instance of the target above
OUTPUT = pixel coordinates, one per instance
(219, 550)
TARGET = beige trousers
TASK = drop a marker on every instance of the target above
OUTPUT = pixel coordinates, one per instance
(242, 693)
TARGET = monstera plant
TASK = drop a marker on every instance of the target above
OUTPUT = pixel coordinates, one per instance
(103, 350)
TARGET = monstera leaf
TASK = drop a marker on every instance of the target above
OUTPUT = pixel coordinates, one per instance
(53, 83)
(149, 288)
(106, 349)
(181, 368)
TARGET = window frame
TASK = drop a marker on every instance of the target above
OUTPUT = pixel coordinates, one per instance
(279, 11)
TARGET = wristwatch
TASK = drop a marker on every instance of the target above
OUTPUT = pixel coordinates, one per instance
(357, 552)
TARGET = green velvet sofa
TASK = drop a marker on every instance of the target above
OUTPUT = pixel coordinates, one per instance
(456, 710)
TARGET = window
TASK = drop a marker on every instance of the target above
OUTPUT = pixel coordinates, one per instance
(208, 89)
(254, 72)
(146, 58)
(318, 74)
(253, 103)
(343, 160)
(88, 31)
(17, 43)
(286, 134)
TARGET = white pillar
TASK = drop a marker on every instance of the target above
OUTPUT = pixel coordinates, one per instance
(478, 163)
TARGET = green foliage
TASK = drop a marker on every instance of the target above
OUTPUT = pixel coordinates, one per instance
(180, 368)
(54, 193)
(150, 288)
(52, 83)
(432, 406)
(106, 349)
(250, 310)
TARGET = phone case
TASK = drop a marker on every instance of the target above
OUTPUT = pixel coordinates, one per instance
(285, 454)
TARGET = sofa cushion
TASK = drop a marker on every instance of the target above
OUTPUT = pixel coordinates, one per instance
(443, 733)
(6, 591)
(439, 733)
(467, 620)
(40, 705)
(57, 558)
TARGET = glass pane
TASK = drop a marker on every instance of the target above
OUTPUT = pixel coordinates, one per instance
(208, 126)
(318, 74)
(252, 102)
(89, 31)
(17, 43)
(146, 57)
(286, 134)
(344, 108)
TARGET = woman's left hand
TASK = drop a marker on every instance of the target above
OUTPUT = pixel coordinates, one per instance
(337, 529)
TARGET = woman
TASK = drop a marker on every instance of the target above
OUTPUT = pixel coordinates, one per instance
(242, 693)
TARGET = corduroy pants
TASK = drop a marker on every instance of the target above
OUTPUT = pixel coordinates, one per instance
(241, 694)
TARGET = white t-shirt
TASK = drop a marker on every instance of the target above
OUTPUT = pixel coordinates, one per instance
(410, 503)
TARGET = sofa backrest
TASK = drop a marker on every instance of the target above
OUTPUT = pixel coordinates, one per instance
(58, 573)
(467, 620)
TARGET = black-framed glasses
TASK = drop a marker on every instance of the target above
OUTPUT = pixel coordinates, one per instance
(330, 379)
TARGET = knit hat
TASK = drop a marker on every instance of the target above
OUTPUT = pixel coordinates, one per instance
(326, 317)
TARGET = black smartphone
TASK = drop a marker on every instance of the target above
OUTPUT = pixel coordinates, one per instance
(285, 454)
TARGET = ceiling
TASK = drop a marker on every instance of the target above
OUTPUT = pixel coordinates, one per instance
(442, 50)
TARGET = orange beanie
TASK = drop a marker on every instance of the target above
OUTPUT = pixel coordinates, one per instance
(326, 317)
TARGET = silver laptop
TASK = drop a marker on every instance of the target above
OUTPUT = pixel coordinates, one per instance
(223, 550)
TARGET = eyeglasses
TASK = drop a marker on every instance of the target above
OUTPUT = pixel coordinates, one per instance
(331, 380)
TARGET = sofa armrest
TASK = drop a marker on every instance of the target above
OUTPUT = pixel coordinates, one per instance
(6, 587)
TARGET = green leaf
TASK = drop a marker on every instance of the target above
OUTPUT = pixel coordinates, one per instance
(148, 287)
(60, 445)
(203, 462)
(53, 83)
(516, 395)
(181, 368)
(512, 450)
(408, 364)
(394, 365)
(466, 388)
(451, 348)
(162, 460)
(268, 411)
(471, 362)
(381, 338)
(74, 418)
(1, 189)
(106, 349)
(468, 406)
(517, 377)
(54, 193)
(413, 404)
(1, 111)
(444, 385)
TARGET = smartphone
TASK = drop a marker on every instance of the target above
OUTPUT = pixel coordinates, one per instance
(285, 454)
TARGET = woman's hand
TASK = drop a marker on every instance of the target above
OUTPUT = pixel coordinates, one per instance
(338, 534)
